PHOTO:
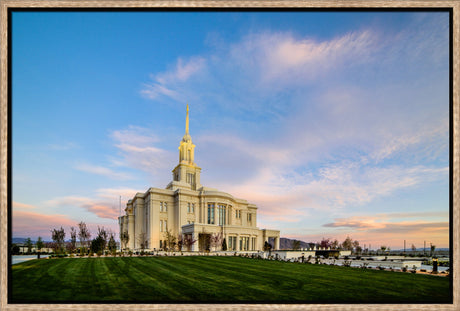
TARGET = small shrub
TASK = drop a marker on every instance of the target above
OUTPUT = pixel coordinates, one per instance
(130, 253)
(99, 253)
(347, 263)
(404, 269)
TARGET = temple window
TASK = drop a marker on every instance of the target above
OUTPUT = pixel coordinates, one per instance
(211, 214)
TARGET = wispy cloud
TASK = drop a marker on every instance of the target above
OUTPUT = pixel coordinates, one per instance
(36, 224)
(23, 205)
(168, 83)
(136, 147)
(104, 171)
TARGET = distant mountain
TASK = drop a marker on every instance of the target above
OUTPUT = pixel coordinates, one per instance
(427, 249)
(286, 243)
(20, 240)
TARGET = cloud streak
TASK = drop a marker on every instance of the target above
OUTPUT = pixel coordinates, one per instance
(34, 224)
(168, 83)
(104, 204)
(103, 171)
(135, 146)
(23, 205)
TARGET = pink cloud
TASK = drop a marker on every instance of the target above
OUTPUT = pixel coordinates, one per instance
(22, 205)
(31, 224)
(98, 206)
(103, 211)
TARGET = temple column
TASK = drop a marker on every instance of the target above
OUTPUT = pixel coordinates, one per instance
(195, 245)
(139, 206)
(131, 229)
(276, 243)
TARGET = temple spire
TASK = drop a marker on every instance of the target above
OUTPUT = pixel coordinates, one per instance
(187, 136)
(186, 123)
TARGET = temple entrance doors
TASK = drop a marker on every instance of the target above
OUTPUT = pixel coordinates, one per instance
(204, 242)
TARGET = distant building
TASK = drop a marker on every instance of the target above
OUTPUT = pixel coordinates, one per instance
(186, 207)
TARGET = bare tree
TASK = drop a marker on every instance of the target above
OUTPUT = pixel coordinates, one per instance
(296, 245)
(180, 241)
(124, 239)
(39, 243)
(432, 248)
(268, 247)
(73, 239)
(170, 241)
(188, 241)
(347, 244)
(84, 235)
(104, 236)
(216, 240)
(58, 236)
(335, 244)
(143, 241)
(112, 245)
(29, 245)
(325, 243)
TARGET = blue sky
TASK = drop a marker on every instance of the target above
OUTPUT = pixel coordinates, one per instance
(333, 123)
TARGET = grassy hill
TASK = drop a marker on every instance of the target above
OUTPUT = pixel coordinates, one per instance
(215, 280)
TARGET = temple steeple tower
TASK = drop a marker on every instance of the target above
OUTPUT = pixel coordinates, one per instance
(187, 148)
(187, 134)
(186, 174)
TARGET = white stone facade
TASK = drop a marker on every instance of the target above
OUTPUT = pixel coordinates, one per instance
(185, 207)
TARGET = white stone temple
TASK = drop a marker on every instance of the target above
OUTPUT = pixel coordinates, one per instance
(185, 208)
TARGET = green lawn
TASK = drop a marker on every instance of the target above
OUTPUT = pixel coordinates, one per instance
(215, 279)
